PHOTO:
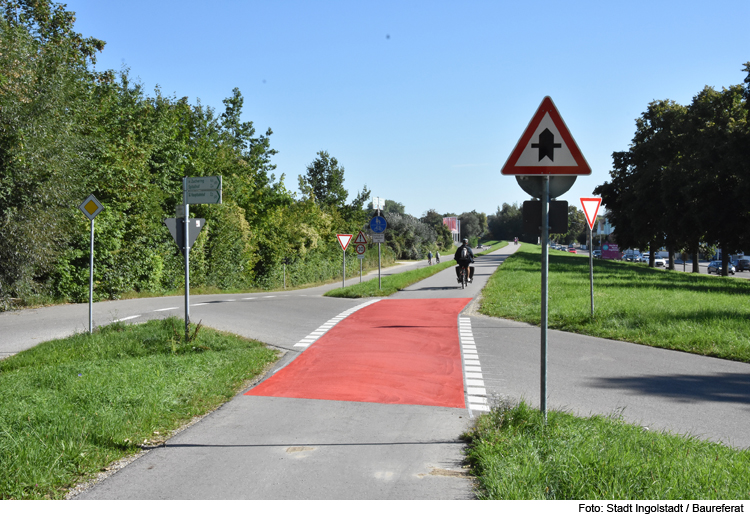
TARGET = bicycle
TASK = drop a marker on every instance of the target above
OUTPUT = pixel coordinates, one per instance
(463, 276)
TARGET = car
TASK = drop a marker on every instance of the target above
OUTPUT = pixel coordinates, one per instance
(715, 267)
(572, 250)
(742, 264)
(597, 253)
(660, 262)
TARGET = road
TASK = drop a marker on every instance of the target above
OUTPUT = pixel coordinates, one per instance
(309, 432)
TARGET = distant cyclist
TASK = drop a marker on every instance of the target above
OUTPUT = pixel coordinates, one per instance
(437, 257)
(429, 258)
(464, 256)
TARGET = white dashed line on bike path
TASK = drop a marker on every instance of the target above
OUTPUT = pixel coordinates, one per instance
(476, 394)
(325, 327)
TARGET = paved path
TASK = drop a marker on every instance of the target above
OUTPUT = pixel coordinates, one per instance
(371, 405)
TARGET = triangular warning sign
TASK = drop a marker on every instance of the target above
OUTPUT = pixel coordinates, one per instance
(344, 240)
(360, 238)
(546, 147)
(590, 209)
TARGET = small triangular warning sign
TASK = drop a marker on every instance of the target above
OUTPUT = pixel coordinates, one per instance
(360, 238)
(591, 209)
(546, 147)
(344, 240)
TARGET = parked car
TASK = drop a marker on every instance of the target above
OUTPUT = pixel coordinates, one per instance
(597, 253)
(660, 262)
(715, 267)
(572, 250)
(742, 264)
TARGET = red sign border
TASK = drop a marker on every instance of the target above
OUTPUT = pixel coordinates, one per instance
(591, 221)
(547, 107)
(344, 246)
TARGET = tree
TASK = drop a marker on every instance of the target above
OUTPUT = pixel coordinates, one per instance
(324, 182)
(507, 222)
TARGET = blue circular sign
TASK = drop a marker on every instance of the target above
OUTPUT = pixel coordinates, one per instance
(378, 224)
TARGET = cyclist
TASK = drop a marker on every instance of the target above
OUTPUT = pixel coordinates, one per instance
(464, 256)
(429, 258)
(437, 257)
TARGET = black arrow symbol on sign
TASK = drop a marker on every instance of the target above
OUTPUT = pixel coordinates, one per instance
(546, 145)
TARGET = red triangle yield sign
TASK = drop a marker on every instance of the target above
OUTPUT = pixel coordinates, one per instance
(344, 240)
(546, 147)
(590, 209)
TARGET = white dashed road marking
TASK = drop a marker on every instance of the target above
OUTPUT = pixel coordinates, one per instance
(476, 394)
(322, 329)
(126, 318)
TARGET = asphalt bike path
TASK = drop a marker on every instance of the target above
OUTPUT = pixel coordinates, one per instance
(369, 405)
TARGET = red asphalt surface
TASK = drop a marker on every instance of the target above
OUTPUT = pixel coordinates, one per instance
(396, 351)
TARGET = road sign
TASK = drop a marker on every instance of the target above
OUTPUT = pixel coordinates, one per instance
(204, 190)
(91, 207)
(206, 183)
(176, 227)
(360, 238)
(344, 240)
(546, 147)
(360, 257)
(378, 238)
(203, 197)
(378, 203)
(378, 224)
(360, 249)
(590, 209)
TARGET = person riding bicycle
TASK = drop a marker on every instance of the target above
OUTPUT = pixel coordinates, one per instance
(464, 256)
(429, 258)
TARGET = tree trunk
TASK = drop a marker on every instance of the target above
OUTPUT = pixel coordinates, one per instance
(696, 263)
(651, 254)
(670, 263)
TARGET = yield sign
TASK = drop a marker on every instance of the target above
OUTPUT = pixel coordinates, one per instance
(546, 147)
(344, 240)
(590, 209)
(360, 238)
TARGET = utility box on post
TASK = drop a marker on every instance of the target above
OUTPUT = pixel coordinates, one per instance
(532, 217)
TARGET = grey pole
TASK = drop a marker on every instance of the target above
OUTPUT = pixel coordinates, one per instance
(591, 267)
(186, 248)
(91, 279)
(545, 296)
(343, 280)
(360, 271)
(285, 275)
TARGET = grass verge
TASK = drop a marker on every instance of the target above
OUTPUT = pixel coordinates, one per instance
(398, 281)
(68, 408)
(661, 308)
(515, 456)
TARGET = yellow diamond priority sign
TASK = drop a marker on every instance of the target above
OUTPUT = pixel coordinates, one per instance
(91, 207)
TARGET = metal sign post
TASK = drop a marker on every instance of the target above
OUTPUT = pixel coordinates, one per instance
(203, 190)
(546, 162)
(591, 209)
(344, 243)
(545, 294)
(91, 207)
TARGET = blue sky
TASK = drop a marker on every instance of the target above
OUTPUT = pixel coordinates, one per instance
(423, 102)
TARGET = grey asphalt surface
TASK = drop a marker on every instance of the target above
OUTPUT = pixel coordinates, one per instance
(256, 447)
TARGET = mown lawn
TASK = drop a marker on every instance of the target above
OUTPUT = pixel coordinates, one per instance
(669, 309)
(514, 455)
(70, 407)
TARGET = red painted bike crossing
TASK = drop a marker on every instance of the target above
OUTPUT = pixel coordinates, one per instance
(403, 351)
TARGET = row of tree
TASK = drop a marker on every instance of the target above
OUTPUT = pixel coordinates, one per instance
(684, 183)
(67, 131)
(507, 223)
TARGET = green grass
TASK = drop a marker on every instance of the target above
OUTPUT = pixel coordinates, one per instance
(393, 283)
(515, 456)
(70, 407)
(661, 308)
